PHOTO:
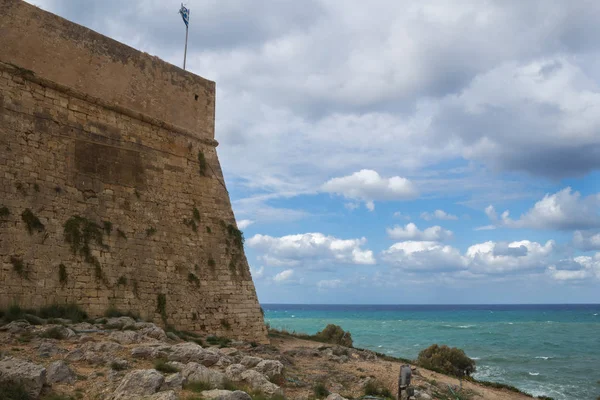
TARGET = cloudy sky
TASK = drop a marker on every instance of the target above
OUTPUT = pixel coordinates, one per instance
(397, 151)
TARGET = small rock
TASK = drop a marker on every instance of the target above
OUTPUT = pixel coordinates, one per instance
(125, 337)
(154, 332)
(142, 382)
(119, 322)
(419, 395)
(270, 368)
(82, 326)
(250, 361)
(17, 327)
(335, 396)
(59, 372)
(57, 332)
(49, 349)
(31, 376)
(192, 352)
(173, 382)
(260, 382)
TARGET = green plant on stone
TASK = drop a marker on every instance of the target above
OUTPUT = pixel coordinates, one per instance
(225, 324)
(107, 225)
(62, 274)
(19, 267)
(122, 281)
(32, 223)
(162, 366)
(134, 288)
(196, 214)
(115, 366)
(137, 194)
(4, 212)
(208, 230)
(192, 278)
(161, 306)
(21, 188)
(150, 231)
(36, 187)
(202, 163)
(198, 386)
(191, 223)
(212, 264)
(236, 235)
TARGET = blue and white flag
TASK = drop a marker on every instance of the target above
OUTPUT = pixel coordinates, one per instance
(185, 14)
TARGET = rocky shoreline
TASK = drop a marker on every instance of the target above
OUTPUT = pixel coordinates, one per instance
(120, 358)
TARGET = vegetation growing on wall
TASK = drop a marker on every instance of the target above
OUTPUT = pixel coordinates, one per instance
(107, 225)
(19, 267)
(202, 163)
(32, 223)
(196, 214)
(4, 212)
(161, 306)
(80, 233)
(122, 281)
(121, 234)
(62, 274)
(150, 231)
(192, 278)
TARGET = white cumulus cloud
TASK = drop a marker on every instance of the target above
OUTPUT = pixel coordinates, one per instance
(423, 256)
(310, 249)
(582, 268)
(412, 232)
(563, 210)
(586, 240)
(284, 276)
(368, 186)
(243, 224)
(329, 284)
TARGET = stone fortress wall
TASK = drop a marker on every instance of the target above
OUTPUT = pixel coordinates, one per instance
(111, 192)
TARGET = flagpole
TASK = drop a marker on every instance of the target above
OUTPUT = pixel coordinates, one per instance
(186, 40)
(185, 51)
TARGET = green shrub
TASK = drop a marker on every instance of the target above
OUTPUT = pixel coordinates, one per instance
(107, 225)
(162, 366)
(196, 214)
(447, 360)
(320, 391)
(116, 366)
(217, 340)
(13, 391)
(336, 335)
(32, 223)
(376, 388)
(113, 312)
(68, 311)
(4, 212)
(198, 386)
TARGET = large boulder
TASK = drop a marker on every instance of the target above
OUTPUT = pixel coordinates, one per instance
(154, 332)
(49, 349)
(234, 372)
(192, 352)
(194, 372)
(31, 376)
(270, 368)
(151, 351)
(119, 323)
(17, 327)
(60, 372)
(173, 382)
(250, 361)
(259, 382)
(138, 383)
(218, 394)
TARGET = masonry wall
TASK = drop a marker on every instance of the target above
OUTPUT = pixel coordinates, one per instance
(111, 192)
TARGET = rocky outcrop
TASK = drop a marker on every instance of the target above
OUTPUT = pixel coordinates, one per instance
(31, 376)
(270, 368)
(218, 394)
(258, 381)
(138, 383)
(60, 372)
(194, 372)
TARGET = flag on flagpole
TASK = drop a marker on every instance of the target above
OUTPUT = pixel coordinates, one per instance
(185, 14)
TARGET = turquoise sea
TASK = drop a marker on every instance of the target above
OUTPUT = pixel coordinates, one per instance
(551, 350)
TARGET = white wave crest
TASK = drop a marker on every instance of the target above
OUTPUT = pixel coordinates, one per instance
(534, 373)
(543, 357)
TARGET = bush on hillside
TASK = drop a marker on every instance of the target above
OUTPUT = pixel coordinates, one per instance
(447, 360)
(336, 335)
